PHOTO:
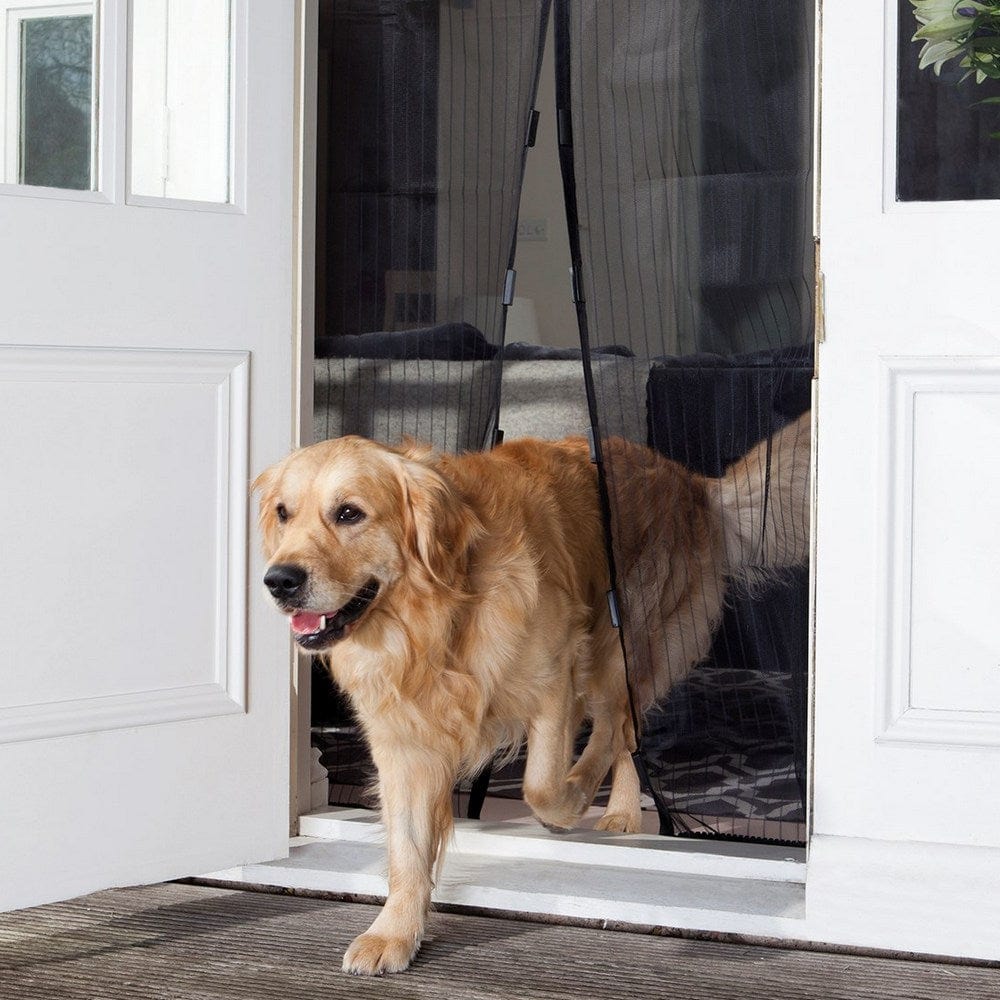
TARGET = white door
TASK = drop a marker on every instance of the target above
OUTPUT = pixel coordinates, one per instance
(907, 707)
(146, 332)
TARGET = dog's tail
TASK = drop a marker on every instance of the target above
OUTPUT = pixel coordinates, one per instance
(765, 505)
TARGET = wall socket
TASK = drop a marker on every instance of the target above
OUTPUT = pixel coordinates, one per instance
(536, 230)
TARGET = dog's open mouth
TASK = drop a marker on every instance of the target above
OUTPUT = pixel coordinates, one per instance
(314, 631)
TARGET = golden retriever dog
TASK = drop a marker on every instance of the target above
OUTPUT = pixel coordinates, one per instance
(461, 603)
(682, 541)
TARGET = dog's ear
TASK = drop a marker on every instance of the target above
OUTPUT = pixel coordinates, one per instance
(418, 451)
(264, 485)
(439, 526)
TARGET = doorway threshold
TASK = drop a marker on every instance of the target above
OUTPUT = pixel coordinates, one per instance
(631, 879)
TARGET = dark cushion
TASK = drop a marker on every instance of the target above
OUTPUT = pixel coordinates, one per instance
(706, 410)
(445, 342)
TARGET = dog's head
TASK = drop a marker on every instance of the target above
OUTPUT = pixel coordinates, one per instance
(344, 522)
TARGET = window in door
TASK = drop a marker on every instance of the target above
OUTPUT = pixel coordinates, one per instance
(181, 100)
(48, 81)
(948, 117)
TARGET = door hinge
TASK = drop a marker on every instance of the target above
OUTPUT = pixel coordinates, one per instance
(820, 307)
(820, 316)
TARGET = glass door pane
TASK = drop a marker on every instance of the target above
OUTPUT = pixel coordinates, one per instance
(948, 117)
(180, 121)
(48, 81)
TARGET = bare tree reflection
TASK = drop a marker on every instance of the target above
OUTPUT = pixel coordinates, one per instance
(56, 100)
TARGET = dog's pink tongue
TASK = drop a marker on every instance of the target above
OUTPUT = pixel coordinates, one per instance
(306, 623)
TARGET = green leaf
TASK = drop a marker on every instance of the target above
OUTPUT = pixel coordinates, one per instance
(988, 100)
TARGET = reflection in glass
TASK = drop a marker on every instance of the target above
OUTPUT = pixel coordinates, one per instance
(948, 120)
(180, 99)
(48, 77)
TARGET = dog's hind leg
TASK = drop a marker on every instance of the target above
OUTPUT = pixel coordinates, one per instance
(416, 810)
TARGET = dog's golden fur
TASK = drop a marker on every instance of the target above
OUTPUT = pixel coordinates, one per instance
(490, 625)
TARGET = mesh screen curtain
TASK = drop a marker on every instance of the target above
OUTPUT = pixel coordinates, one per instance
(685, 140)
(424, 111)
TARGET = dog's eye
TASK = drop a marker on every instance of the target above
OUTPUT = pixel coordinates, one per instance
(349, 514)
(282, 512)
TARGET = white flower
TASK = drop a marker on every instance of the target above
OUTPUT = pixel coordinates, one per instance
(945, 18)
(936, 54)
(943, 23)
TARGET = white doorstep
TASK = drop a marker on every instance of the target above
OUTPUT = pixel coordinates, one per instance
(637, 879)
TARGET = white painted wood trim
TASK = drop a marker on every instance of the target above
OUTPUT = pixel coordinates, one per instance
(227, 692)
(114, 23)
(54, 194)
(184, 204)
(547, 886)
(92, 715)
(233, 428)
(689, 856)
(898, 721)
(307, 46)
(305, 218)
(239, 83)
(933, 899)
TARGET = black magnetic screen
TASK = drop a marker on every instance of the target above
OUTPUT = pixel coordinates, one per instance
(687, 159)
(686, 147)
(423, 112)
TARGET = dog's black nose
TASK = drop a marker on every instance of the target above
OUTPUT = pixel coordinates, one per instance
(285, 580)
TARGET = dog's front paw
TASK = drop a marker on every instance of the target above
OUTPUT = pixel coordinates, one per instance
(372, 954)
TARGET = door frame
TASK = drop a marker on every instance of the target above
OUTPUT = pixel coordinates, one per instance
(895, 893)
(306, 48)
(307, 44)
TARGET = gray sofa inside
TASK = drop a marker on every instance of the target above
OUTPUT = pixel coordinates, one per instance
(443, 402)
